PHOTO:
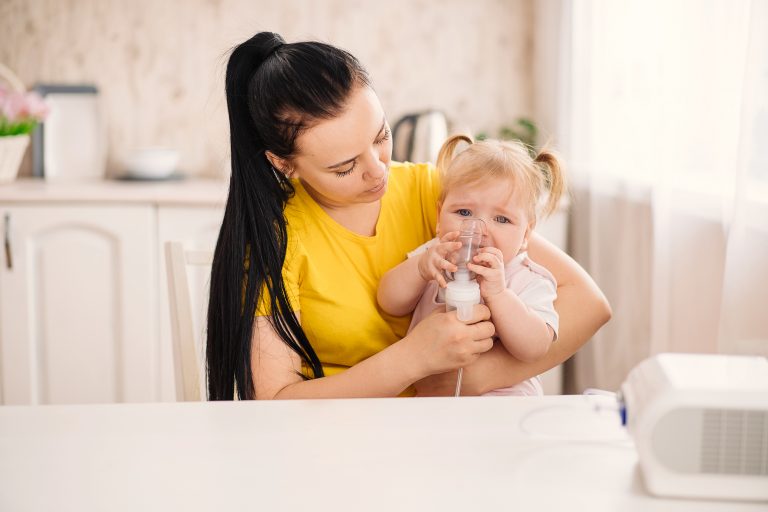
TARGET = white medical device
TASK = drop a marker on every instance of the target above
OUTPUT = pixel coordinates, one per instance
(700, 425)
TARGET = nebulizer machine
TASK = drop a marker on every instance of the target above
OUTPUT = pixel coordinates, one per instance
(700, 424)
(463, 292)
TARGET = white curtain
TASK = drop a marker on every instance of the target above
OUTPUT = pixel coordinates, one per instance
(663, 120)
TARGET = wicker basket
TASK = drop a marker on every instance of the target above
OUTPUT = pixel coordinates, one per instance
(12, 147)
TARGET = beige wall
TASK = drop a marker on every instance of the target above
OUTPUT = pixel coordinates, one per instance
(159, 64)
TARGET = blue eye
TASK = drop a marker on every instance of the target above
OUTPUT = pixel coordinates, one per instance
(464, 212)
(502, 220)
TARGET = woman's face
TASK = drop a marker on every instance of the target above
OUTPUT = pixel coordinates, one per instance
(345, 160)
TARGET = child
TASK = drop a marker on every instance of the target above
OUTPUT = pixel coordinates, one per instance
(500, 183)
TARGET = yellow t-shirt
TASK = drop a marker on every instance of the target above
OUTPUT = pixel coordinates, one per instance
(331, 274)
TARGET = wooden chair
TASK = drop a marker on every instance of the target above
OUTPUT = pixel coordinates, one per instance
(180, 263)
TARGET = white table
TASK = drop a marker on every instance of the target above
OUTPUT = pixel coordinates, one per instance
(468, 454)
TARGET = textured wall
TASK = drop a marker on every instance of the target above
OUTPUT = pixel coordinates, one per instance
(160, 64)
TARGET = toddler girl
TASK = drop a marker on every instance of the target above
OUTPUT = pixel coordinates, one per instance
(500, 183)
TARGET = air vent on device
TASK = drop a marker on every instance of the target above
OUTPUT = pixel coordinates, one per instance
(734, 442)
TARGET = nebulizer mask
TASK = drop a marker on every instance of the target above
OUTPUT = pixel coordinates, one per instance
(463, 292)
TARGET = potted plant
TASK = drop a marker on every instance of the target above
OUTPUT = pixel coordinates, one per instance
(20, 112)
(523, 129)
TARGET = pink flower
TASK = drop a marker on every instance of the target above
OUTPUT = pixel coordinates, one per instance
(37, 107)
(16, 107)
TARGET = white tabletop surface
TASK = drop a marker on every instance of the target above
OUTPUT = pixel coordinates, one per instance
(468, 454)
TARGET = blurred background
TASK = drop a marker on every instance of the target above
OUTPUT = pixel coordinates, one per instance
(660, 109)
(160, 65)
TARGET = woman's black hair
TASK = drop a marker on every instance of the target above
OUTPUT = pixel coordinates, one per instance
(274, 91)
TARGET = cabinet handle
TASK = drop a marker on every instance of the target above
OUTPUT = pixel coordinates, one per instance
(8, 253)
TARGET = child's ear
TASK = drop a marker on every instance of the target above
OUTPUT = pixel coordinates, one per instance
(437, 225)
(281, 165)
(527, 235)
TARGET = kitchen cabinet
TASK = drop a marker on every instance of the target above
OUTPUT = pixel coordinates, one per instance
(77, 304)
(83, 298)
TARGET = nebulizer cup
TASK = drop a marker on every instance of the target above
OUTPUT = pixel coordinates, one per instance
(463, 292)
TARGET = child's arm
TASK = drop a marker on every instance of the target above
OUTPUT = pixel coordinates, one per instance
(522, 331)
(401, 288)
(524, 334)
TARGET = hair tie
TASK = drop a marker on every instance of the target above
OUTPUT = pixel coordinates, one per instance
(273, 50)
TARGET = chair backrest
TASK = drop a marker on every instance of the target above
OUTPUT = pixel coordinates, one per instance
(186, 363)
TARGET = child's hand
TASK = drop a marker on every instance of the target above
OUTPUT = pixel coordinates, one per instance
(433, 262)
(489, 266)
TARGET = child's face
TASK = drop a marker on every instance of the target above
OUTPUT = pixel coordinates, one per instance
(501, 208)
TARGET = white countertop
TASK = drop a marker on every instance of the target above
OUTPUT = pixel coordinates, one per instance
(173, 192)
(468, 454)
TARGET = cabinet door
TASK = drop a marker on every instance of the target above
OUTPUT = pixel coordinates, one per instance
(198, 229)
(78, 320)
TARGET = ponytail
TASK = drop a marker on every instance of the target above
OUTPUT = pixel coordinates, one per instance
(550, 166)
(273, 90)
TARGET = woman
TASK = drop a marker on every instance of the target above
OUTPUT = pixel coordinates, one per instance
(316, 214)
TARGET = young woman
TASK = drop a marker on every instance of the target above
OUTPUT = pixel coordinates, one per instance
(316, 215)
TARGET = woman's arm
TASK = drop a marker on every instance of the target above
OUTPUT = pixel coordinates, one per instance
(582, 308)
(439, 343)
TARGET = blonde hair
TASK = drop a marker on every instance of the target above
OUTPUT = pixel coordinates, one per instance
(488, 160)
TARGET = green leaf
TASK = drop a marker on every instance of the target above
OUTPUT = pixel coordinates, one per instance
(20, 128)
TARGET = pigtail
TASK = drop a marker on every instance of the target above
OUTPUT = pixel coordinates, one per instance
(552, 169)
(446, 153)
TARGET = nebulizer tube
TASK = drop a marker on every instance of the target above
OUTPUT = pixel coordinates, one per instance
(463, 292)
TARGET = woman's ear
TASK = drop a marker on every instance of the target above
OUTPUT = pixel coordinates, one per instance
(281, 165)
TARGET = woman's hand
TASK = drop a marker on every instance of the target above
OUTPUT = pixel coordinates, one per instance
(488, 264)
(441, 342)
(433, 262)
(474, 380)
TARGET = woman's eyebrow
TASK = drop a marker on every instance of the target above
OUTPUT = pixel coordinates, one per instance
(350, 160)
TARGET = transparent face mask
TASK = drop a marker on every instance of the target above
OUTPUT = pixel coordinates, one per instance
(471, 234)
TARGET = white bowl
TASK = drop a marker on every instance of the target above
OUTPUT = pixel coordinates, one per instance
(152, 162)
